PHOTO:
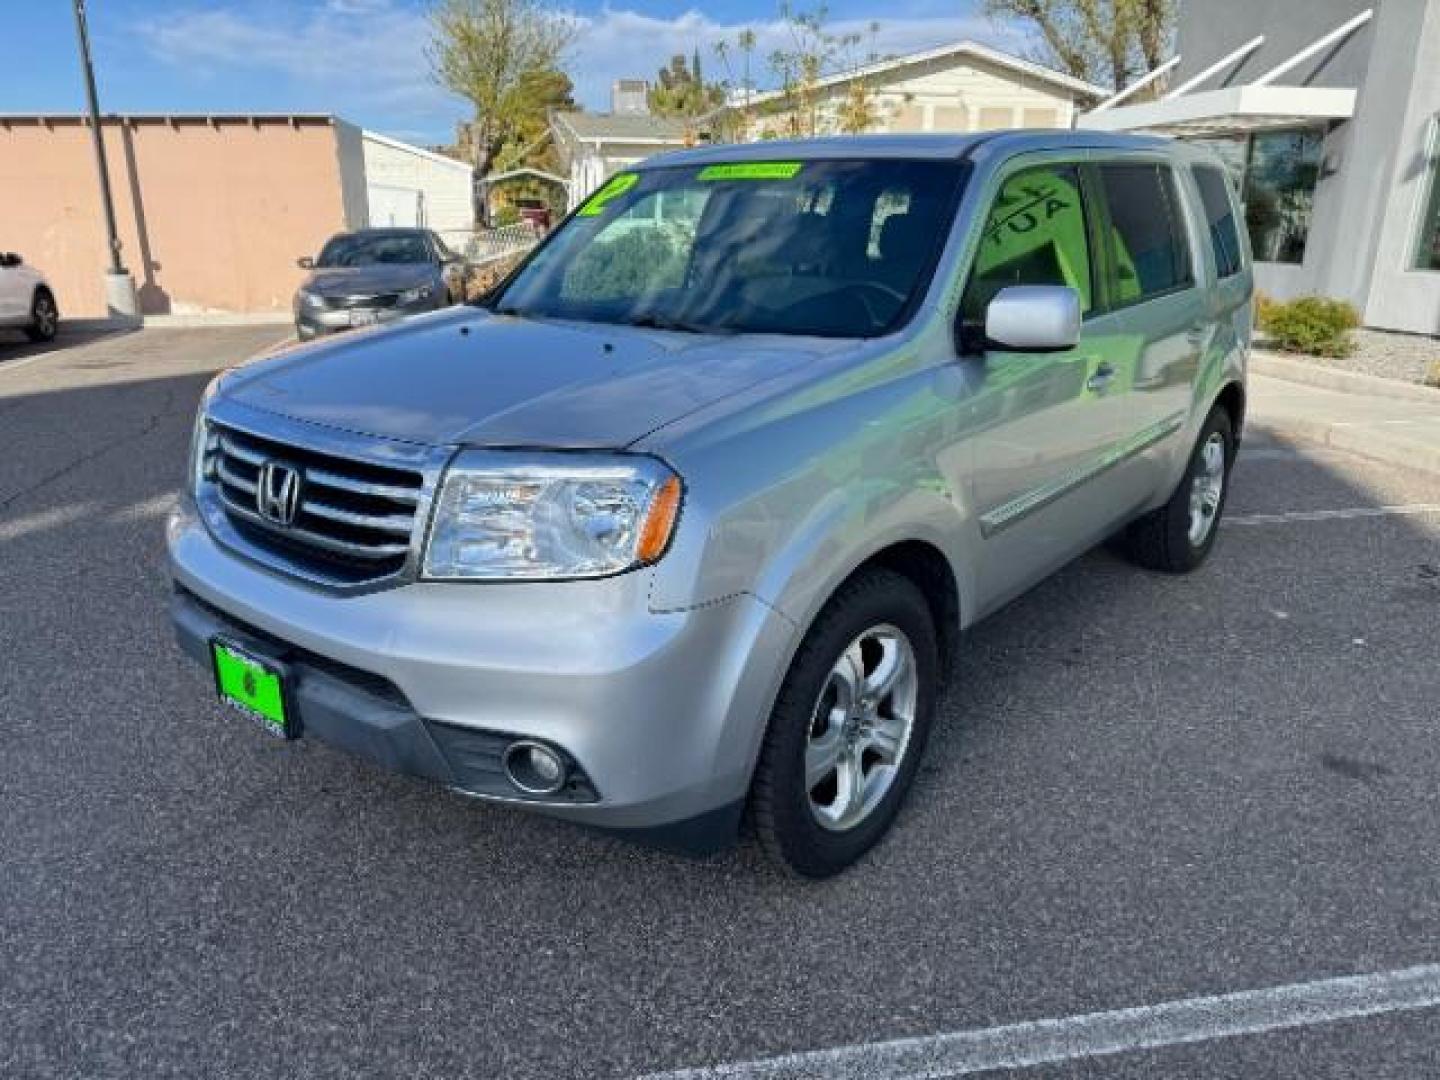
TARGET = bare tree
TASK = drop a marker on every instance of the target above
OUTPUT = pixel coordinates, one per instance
(1101, 41)
(814, 51)
(504, 57)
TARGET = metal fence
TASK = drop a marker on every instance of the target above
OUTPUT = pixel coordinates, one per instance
(489, 245)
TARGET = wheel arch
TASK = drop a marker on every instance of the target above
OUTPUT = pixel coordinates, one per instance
(926, 566)
(1231, 398)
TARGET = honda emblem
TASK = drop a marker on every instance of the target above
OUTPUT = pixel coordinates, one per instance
(277, 493)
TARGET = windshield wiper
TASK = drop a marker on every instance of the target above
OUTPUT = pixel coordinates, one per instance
(652, 321)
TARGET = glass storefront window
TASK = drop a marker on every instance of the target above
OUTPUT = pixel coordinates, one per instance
(1280, 178)
(1427, 245)
(1232, 150)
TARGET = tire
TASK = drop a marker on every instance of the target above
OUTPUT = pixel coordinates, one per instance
(44, 317)
(876, 620)
(1170, 538)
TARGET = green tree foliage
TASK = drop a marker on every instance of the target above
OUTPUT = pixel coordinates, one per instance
(506, 58)
(680, 90)
(1109, 42)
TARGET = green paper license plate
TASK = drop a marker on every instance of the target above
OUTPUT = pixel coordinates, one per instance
(252, 686)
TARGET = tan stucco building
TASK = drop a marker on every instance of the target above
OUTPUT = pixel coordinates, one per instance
(212, 211)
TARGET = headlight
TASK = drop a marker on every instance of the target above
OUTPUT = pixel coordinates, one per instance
(202, 440)
(309, 299)
(415, 295)
(507, 515)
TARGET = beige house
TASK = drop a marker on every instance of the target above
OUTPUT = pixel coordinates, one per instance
(212, 210)
(594, 146)
(964, 86)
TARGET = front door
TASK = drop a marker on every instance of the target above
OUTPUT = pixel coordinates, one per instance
(1041, 424)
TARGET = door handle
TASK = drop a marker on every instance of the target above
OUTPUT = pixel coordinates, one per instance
(1101, 376)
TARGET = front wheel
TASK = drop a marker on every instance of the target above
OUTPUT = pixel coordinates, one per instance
(849, 726)
(44, 318)
(1179, 535)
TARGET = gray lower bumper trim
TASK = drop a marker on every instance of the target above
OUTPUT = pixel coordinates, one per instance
(367, 725)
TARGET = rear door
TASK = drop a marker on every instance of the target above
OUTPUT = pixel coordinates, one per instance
(1154, 281)
(1041, 423)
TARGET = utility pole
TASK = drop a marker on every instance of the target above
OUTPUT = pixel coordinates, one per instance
(120, 295)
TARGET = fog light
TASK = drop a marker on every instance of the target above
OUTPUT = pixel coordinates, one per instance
(535, 768)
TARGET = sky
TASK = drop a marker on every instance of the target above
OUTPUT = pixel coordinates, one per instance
(364, 60)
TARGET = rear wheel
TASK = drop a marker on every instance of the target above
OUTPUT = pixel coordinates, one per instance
(849, 727)
(1179, 535)
(44, 317)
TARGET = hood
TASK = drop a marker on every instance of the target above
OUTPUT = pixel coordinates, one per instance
(468, 377)
(360, 280)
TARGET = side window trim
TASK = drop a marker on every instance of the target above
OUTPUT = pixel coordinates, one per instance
(1177, 204)
(1101, 258)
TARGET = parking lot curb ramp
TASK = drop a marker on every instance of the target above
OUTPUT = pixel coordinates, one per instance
(1395, 429)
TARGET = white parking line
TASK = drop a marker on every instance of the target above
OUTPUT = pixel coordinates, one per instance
(1333, 515)
(1043, 1042)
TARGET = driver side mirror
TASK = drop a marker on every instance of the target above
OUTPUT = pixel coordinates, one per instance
(306, 262)
(1033, 318)
(11, 258)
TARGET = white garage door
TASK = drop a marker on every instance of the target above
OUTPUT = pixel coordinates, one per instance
(396, 206)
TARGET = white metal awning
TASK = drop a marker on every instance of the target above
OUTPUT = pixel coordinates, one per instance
(1235, 110)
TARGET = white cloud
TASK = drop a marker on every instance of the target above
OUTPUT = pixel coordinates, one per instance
(365, 59)
(616, 43)
(353, 57)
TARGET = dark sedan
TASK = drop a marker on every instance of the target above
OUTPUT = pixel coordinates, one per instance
(375, 275)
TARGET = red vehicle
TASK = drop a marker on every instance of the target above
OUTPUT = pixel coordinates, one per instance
(535, 212)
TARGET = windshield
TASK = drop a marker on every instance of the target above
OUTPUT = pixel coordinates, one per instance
(369, 249)
(832, 248)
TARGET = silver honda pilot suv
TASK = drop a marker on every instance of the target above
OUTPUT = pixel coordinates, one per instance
(687, 517)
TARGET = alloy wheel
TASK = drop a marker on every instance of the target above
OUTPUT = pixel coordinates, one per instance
(1206, 488)
(46, 317)
(860, 728)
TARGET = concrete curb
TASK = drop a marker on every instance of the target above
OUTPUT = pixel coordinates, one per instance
(1311, 374)
(199, 320)
(1367, 441)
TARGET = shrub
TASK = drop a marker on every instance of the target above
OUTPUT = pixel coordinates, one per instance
(1265, 306)
(1311, 324)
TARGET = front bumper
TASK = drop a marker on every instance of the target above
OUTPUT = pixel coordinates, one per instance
(661, 712)
(311, 322)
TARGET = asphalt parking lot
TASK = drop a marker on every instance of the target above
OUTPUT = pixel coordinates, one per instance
(1142, 789)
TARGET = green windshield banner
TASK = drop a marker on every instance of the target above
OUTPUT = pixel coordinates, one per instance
(752, 170)
(613, 189)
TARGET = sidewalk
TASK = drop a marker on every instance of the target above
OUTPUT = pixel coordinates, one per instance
(1398, 430)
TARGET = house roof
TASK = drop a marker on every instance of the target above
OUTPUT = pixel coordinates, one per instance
(957, 49)
(622, 127)
(418, 151)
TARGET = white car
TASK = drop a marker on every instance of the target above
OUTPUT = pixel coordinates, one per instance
(26, 300)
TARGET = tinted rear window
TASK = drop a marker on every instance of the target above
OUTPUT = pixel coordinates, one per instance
(1220, 217)
(1149, 252)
